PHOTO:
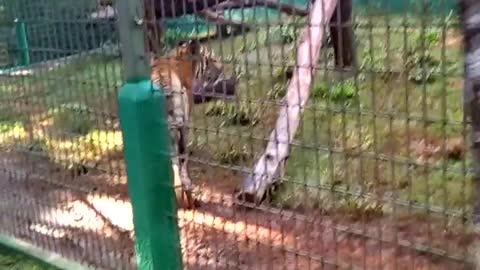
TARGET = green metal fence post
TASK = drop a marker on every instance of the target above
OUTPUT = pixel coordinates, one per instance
(146, 149)
(22, 42)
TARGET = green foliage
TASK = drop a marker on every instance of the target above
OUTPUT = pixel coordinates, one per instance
(342, 93)
(449, 188)
(248, 46)
(320, 90)
(239, 71)
(233, 154)
(11, 132)
(428, 39)
(234, 114)
(289, 33)
(369, 61)
(421, 64)
(277, 91)
(361, 208)
(7, 114)
(7, 126)
(422, 75)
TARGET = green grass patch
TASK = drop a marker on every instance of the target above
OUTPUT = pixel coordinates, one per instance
(341, 93)
(233, 114)
(72, 119)
(233, 154)
(10, 260)
(65, 109)
(85, 151)
(11, 132)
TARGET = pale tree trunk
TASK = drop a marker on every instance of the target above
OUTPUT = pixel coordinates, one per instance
(470, 19)
(270, 164)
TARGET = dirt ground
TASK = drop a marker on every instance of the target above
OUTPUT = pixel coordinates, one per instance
(86, 220)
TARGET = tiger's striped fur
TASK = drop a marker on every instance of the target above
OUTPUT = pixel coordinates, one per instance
(176, 74)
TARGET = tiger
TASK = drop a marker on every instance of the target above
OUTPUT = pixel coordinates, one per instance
(190, 66)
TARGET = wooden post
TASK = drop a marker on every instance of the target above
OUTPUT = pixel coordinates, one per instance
(147, 149)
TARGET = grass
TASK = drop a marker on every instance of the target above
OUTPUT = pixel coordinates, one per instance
(10, 260)
(360, 135)
(72, 118)
(67, 114)
(379, 134)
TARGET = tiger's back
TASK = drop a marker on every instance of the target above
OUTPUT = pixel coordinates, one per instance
(175, 77)
(183, 67)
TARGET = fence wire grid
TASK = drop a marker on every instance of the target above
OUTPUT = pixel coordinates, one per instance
(63, 185)
(379, 172)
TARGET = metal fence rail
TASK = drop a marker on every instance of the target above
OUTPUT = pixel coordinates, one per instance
(378, 174)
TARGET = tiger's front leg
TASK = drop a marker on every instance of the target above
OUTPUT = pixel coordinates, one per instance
(183, 182)
(186, 183)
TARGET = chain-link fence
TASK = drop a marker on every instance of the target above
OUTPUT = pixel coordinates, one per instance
(61, 28)
(62, 181)
(333, 141)
(6, 26)
(376, 174)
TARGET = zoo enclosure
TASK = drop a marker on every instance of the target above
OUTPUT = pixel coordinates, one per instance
(358, 176)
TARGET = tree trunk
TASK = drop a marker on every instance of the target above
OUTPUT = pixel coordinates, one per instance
(269, 166)
(470, 20)
(341, 32)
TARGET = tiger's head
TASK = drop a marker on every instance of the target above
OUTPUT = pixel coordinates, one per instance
(209, 78)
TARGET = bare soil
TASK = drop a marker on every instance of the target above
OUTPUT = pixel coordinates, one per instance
(88, 218)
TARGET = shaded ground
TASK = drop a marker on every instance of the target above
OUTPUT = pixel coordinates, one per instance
(43, 206)
(96, 228)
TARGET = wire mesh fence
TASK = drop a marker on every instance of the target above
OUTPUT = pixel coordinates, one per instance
(63, 185)
(377, 174)
(5, 35)
(61, 28)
